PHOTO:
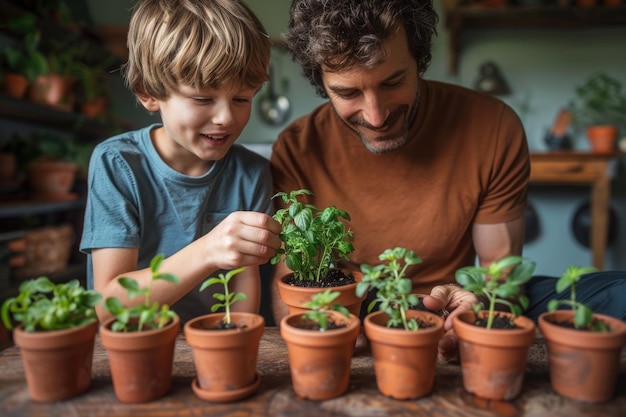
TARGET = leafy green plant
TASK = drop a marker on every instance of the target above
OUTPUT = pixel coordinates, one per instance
(43, 305)
(583, 315)
(599, 100)
(314, 240)
(393, 294)
(499, 283)
(24, 58)
(320, 305)
(148, 315)
(227, 298)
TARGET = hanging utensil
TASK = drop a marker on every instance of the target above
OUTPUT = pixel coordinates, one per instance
(273, 108)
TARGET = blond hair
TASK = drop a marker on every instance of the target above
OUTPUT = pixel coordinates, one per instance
(198, 43)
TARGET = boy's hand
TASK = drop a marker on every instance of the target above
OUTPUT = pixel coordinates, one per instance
(244, 238)
(452, 300)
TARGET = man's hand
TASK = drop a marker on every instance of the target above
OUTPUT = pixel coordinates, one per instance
(452, 300)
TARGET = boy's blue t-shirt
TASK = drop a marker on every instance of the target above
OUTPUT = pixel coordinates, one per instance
(136, 200)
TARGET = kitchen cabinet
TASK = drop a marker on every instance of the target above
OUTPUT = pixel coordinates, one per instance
(462, 18)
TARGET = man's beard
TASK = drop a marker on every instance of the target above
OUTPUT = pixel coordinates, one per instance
(390, 143)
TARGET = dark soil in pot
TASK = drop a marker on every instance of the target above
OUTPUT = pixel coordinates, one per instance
(335, 278)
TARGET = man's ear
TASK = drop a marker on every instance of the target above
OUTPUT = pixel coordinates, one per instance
(149, 102)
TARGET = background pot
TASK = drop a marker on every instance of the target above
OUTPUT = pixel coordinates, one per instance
(225, 360)
(602, 138)
(319, 362)
(493, 360)
(583, 364)
(57, 363)
(295, 296)
(404, 361)
(52, 180)
(140, 362)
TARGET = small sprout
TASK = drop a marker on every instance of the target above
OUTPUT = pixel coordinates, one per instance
(149, 315)
(393, 287)
(583, 315)
(226, 299)
(500, 282)
(320, 306)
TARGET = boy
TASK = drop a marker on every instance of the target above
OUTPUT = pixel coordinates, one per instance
(180, 187)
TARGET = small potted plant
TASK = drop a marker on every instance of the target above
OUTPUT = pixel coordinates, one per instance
(493, 345)
(314, 241)
(21, 63)
(320, 344)
(404, 340)
(140, 340)
(225, 346)
(599, 107)
(583, 347)
(56, 334)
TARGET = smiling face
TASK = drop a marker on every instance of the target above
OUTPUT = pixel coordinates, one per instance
(199, 126)
(379, 103)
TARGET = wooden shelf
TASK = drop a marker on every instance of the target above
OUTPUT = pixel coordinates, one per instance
(459, 19)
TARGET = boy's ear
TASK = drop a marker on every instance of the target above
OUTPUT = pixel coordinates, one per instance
(149, 102)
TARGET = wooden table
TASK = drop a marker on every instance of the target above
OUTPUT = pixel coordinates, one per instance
(581, 168)
(276, 397)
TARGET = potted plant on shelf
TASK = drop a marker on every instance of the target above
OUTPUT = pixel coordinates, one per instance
(599, 107)
(140, 340)
(320, 344)
(225, 346)
(314, 241)
(404, 340)
(93, 88)
(56, 334)
(21, 63)
(493, 345)
(583, 347)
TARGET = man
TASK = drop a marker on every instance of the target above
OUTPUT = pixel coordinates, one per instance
(432, 167)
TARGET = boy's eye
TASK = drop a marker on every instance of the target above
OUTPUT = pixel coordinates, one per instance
(202, 100)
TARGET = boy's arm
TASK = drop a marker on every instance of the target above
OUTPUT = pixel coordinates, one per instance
(279, 308)
(248, 282)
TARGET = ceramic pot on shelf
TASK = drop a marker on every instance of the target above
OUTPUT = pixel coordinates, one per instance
(602, 138)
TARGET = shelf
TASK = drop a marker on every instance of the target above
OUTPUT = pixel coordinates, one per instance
(34, 207)
(31, 113)
(462, 18)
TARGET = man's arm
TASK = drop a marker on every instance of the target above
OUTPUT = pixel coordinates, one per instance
(495, 241)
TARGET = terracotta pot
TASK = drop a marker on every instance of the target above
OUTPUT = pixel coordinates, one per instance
(54, 91)
(51, 180)
(295, 296)
(57, 363)
(225, 360)
(140, 362)
(15, 85)
(493, 360)
(8, 166)
(583, 365)
(602, 138)
(404, 361)
(95, 107)
(319, 362)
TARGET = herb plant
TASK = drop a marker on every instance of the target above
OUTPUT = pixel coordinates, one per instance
(149, 315)
(227, 298)
(393, 287)
(583, 315)
(43, 305)
(498, 283)
(313, 239)
(320, 306)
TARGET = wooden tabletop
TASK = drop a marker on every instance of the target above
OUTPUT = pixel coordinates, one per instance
(276, 397)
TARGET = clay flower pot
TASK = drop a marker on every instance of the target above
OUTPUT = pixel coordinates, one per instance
(404, 361)
(319, 362)
(140, 362)
(15, 85)
(225, 360)
(52, 180)
(294, 296)
(583, 364)
(493, 360)
(54, 91)
(602, 138)
(57, 363)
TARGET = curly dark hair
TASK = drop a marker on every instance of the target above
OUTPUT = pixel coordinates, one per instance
(340, 34)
